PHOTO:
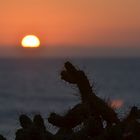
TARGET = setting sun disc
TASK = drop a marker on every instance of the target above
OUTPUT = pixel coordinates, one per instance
(30, 41)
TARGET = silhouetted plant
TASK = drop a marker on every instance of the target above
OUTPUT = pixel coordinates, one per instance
(92, 112)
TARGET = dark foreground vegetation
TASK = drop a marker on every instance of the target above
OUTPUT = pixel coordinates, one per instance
(97, 120)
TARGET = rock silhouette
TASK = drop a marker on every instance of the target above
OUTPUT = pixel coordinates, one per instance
(92, 113)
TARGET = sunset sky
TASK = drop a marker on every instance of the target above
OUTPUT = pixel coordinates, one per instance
(72, 23)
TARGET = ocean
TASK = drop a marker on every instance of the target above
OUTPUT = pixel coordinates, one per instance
(33, 85)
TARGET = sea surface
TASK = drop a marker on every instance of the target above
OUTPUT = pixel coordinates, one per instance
(31, 86)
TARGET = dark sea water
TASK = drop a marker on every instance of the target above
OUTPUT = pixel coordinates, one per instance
(33, 86)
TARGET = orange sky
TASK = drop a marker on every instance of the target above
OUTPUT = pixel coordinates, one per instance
(71, 22)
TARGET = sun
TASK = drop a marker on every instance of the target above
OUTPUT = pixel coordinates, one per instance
(30, 41)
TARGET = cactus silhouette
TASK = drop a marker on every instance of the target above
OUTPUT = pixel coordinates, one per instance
(90, 114)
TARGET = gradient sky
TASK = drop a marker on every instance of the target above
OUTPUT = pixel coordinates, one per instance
(92, 23)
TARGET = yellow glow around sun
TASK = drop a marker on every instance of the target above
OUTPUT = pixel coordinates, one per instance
(30, 41)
